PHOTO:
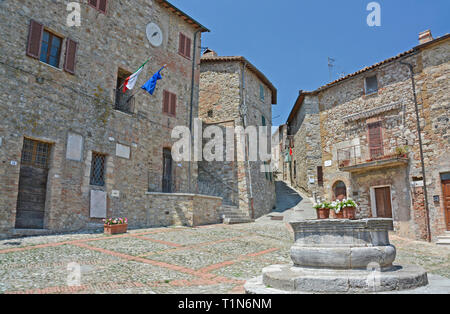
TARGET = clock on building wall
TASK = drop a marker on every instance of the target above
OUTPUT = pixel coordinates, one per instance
(154, 34)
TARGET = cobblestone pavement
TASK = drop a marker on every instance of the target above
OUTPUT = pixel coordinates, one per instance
(212, 259)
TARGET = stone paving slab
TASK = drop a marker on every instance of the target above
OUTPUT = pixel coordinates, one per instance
(211, 259)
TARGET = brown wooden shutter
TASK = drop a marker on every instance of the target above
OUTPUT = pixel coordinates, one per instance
(166, 101)
(173, 104)
(102, 5)
(93, 3)
(71, 50)
(375, 140)
(35, 39)
(320, 175)
(188, 48)
(182, 45)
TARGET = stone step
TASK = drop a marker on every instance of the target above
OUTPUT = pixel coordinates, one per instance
(443, 240)
(234, 221)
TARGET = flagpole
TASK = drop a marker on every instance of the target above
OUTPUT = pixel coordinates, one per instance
(120, 88)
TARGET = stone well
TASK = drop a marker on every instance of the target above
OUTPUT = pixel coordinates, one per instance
(339, 256)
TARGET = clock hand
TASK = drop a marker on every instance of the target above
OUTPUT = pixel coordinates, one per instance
(155, 34)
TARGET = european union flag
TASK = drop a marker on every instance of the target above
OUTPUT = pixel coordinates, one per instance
(151, 83)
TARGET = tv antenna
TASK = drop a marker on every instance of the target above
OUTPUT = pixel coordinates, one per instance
(330, 67)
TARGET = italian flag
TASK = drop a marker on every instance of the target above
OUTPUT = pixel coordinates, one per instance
(130, 82)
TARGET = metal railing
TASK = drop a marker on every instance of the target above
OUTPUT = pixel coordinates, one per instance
(360, 154)
(124, 102)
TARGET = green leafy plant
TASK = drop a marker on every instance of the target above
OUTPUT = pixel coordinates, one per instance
(115, 221)
(324, 205)
(402, 150)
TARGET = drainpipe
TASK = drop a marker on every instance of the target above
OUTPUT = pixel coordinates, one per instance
(192, 105)
(244, 116)
(427, 210)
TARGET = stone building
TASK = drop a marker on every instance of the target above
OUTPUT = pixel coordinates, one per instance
(304, 166)
(370, 144)
(73, 148)
(234, 93)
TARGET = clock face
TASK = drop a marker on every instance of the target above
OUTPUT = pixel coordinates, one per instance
(154, 34)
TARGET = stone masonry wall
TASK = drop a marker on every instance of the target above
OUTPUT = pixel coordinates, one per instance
(431, 71)
(45, 103)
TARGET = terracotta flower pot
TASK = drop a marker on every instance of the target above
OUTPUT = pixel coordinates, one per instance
(349, 213)
(323, 213)
(339, 215)
(115, 229)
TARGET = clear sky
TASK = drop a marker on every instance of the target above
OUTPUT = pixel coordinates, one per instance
(290, 40)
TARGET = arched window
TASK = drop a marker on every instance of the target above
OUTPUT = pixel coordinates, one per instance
(339, 191)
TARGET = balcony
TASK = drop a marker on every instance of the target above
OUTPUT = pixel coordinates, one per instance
(124, 102)
(363, 158)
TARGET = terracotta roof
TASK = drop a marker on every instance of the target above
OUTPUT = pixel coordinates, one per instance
(302, 94)
(183, 15)
(384, 62)
(250, 66)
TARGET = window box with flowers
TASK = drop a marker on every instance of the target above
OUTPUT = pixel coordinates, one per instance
(115, 226)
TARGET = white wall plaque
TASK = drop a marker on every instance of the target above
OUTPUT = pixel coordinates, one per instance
(328, 163)
(123, 151)
(115, 193)
(98, 204)
(74, 147)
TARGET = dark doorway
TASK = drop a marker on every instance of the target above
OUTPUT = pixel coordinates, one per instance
(32, 185)
(340, 191)
(383, 202)
(167, 171)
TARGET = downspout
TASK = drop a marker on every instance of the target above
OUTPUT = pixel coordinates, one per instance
(192, 105)
(427, 210)
(247, 144)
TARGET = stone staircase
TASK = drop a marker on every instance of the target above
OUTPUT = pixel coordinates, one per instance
(233, 215)
(444, 240)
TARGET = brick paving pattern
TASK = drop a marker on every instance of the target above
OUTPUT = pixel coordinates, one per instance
(212, 259)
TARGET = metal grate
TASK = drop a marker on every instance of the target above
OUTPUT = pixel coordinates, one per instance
(35, 153)
(98, 169)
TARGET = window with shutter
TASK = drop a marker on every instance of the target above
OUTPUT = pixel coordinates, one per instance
(166, 101)
(71, 50)
(173, 104)
(184, 47)
(50, 48)
(375, 140)
(320, 175)
(34, 39)
(100, 5)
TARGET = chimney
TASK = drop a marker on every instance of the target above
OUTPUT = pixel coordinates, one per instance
(209, 53)
(425, 37)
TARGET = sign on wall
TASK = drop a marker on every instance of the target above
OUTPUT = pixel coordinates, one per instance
(74, 147)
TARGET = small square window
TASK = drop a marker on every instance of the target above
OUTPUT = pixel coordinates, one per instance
(210, 113)
(371, 85)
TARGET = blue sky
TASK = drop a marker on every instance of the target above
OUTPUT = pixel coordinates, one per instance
(290, 40)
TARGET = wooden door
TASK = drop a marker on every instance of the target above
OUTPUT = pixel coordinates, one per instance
(167, 171)
(383, 202)
(32, 185)
(446, 194)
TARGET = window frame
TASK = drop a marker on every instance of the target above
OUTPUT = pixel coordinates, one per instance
(366, 92)
(97, 7)
(92, 182)
(169, 111)
(186, 39)
(49, 48)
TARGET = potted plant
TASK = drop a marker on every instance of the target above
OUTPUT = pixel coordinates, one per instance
(349, 209)
(115, 225)
(323, 210)
(402, 151)
(338, 210)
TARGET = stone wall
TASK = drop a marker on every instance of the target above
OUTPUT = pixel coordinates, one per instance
(345, 111)
(45, 103)
(182, 210)
(221, 90)
(305, 127)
